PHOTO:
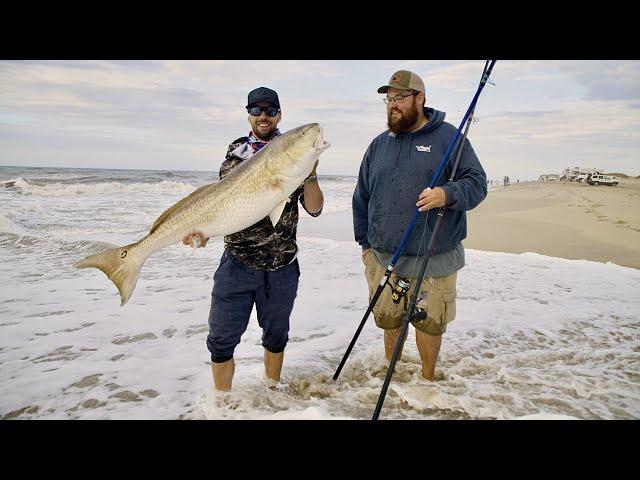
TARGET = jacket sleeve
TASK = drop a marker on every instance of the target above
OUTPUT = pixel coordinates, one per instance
(360, 203)
(226, 167)
(470, 186)
(231, 161)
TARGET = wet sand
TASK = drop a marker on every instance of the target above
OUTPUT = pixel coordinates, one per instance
(568, 220)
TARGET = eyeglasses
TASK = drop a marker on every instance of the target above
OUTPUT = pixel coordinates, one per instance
(256, 111)
(397, 100)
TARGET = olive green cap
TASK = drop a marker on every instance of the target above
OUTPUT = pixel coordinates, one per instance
(404, 80)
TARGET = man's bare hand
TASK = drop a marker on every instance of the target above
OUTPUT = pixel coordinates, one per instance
(429, 199)
(191, 239)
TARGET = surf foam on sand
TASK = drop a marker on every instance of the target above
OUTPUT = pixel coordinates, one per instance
(534, 336)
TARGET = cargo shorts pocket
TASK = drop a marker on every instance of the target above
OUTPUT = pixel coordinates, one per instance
(441, 310)
(386, 314)
(449, 300)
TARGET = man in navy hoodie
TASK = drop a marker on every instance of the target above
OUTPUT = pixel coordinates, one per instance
(396, 167)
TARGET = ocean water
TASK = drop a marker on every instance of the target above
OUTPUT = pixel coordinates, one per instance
(534, 337)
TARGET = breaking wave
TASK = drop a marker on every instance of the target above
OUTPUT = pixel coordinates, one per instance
(26, 187)
(7, 226)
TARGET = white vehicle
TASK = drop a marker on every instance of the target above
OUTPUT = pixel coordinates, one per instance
(599, 179)
(582, 178)
(570, 173)
(578, 174)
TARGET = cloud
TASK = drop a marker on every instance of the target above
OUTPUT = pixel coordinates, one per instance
(606, 80)
(532, 115)
(539, 114)
(595, 118)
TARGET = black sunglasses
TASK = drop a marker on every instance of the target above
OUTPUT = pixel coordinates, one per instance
(256, 111)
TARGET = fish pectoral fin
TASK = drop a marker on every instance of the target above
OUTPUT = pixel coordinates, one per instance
(276, 213)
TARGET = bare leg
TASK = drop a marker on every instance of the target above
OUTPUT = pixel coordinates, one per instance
(273, 364)
(223, 374)
(390, 340)
(429, 348)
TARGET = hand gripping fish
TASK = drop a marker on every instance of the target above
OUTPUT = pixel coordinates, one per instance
(258, 187)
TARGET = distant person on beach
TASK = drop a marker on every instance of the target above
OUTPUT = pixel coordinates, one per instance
(259, 265)
(394, 171)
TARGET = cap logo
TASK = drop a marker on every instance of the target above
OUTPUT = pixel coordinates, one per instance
(395, 78)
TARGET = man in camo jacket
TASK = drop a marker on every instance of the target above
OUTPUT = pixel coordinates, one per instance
(259, 264)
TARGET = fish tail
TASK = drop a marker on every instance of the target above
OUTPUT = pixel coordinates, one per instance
(122, 265)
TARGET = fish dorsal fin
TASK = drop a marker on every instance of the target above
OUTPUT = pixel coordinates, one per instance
(167, 213)
(276, 213)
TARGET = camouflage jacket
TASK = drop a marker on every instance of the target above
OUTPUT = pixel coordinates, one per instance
(262, 245)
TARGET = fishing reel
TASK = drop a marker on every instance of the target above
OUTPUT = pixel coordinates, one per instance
(420, 312)
(399, 289)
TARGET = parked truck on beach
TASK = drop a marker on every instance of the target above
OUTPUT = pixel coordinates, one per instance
(599, 179)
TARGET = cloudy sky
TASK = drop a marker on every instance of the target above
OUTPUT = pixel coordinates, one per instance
(540, 117)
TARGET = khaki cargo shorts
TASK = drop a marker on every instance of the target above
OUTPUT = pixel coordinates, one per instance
(441, 301)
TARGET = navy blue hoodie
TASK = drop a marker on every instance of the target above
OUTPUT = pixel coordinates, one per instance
(395, 169)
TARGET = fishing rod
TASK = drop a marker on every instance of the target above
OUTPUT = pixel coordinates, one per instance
(488, 67)
(421, 314)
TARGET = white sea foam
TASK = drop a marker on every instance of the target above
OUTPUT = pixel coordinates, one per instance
(23, 186)
(535, 337)
(8, 226)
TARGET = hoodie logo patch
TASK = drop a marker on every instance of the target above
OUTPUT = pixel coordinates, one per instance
(422, 148)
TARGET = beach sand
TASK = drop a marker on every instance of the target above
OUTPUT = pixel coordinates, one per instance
(560, 219)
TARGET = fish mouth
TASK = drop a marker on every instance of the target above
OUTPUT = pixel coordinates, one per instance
(321, 144)
(324, 146)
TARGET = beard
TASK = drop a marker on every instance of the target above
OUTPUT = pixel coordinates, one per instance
(405, 122)
(266, 136)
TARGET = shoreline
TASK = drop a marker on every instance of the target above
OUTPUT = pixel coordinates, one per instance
(568, 220)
